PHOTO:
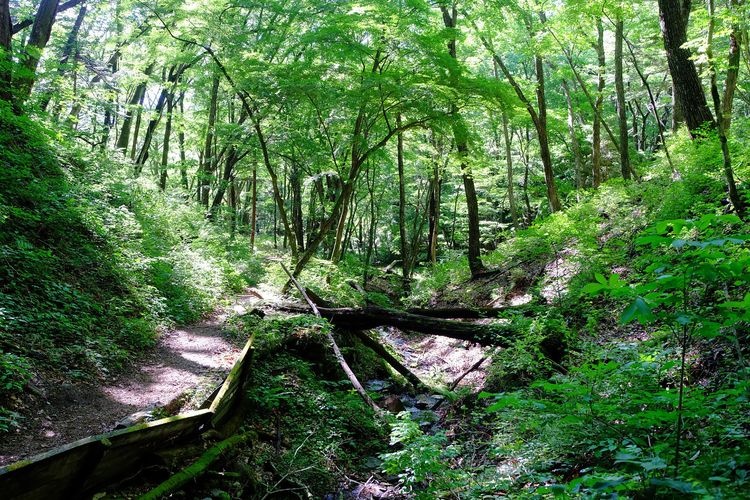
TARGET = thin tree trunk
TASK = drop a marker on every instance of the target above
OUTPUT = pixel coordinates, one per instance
(543, 136)
(509, 164)
(734, 196)
(575, 146)
(181, 141)
(539, 118)
(165, 149)
(596, 156)
(254, 210)
(435, 185)
(460, 133)
(730, 83)
(654, 107)
(621, 104)
(123, 141)
(402, 205)
(205, 172)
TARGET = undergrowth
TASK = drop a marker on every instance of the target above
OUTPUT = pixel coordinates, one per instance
(94, 263)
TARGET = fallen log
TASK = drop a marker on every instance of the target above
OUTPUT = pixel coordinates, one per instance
(198, 468)
(370, 317)
(381, 351)
(470, 312)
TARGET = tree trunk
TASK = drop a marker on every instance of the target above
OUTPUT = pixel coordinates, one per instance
(678, 115)
(206, 170)
(165, 149)
(402, 205)
(181, 141)
(136, 100)
(226, 178)
(40, 33)
(575, 146)
(254, 210)
(434, 209)
(730, 84)
(145, 151)
(543, 136)
(539, 118)
(68, 48)
(296, 191)
(372, 317)
(6, 59)
(621, 104)
(734, 196)
(596, 157)
(460, 133)
(685, 80)
(509, 172)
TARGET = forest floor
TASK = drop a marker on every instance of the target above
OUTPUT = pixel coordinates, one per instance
(181, 371)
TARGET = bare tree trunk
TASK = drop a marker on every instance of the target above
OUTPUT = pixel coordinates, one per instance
(654, 106)
(538, 116)
(434, 208)
(68, 49)
(460, 134)
(40, 33)
(575, 146)
(402, 205)
(181, 141)
(596, 157)
(165, 149)
(509, 164)
(678, 115)
(296, 192)
(543, 136)
(254, 210)
(6, 60)
(685, 79)
(736, 40)
(734, 196)
(621, 104)
(206, 170)
(123, 141)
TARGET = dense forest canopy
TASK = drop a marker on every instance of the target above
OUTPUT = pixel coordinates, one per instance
(507, 106)
(159, 155)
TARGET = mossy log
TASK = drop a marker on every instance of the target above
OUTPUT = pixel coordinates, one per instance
(196, 469)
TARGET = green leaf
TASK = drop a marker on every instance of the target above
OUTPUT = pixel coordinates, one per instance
(674, 484)
(593, 288)
(639, 310)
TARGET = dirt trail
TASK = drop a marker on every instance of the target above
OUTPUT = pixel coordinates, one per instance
(180, 372)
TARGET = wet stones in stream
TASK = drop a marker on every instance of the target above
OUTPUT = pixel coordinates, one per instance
(419, 406)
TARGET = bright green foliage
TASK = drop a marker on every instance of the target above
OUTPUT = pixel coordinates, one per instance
(422, 466)
(94, 262)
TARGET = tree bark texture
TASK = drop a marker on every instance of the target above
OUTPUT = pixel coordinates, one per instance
(621, 105)
(685, 80)
(40, 33)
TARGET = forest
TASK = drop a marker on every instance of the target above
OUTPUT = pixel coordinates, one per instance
(472, 249)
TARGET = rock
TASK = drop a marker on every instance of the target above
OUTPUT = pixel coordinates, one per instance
(393, 404)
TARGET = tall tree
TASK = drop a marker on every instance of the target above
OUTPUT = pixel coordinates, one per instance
(461, 137)
(6, 51)
(40, 33)
(686, 83)
(620, 91)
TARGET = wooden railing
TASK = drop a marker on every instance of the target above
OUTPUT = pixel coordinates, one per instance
(93, 463)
